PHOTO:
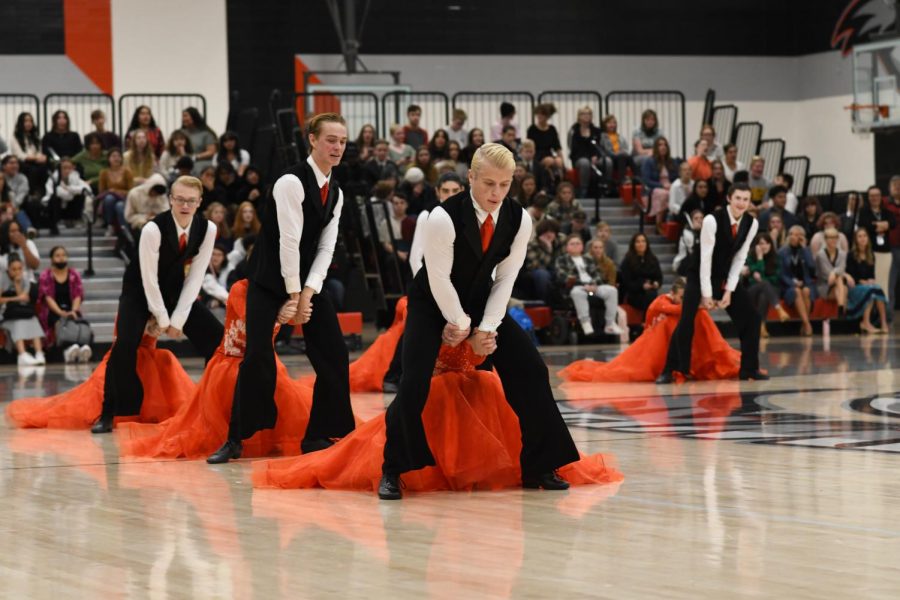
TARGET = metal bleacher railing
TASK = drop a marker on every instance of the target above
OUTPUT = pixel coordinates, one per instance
(669, 106)
(435, 109)
(166, 109)
(79, 108)
(12, 105)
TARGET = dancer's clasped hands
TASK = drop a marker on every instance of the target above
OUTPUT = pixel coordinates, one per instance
(483, 342)
(453, 335)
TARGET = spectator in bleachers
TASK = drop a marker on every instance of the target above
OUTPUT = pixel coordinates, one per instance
(230, 151)
(246, 224)
(718, 185)
(228, 184)
(60, 293)
(640, 274)
(864, 289)
(701, 168)
(251, 189)
(680, 190)
(146, 201)
(16, 182)
(688, 242)
(438, 146)
(26, 146)
(797, 271)
(456, 130)
(828, 220)
(564, 204)
(878, 222)
(109, 139)
(509, 140)
(418, 193)
(507, 117)
(60, 141)
(698, 199)
(547, 146)
(762, 276)
(380, 167)
(538, 211)
(365, 142)
(584, 148)
(579, 226)
(777, 231)
(217, 214)
(211, 191)
(657, 174)
(787, 180)
(214, 289)
(519, 174)
(892, 205)
(778, 197)
(454, 153)
(527, 190)
(475, 141)
(759, 185)
(92, 159)
(643, 143)
(578, 277)
(142, 120)
(397, 240)
(14, 243)
(850, 218)
(537, 276)
(731, 163)
(713, 149)
(179, 146)
(831, 267)
(203, 138)
(401, 153)
(527, 158)
(239, 268)
(64, 197)
(19, 318)
(604, 234)
(811, 212)
(139, 158)
(605, 264)
(616, 152)
(112, 188)
(415, 136)
(424, 162)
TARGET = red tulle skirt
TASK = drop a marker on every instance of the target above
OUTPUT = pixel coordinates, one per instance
(166, 388)
(711, 356)
(367, 372)
(201, 426)
(473, 434)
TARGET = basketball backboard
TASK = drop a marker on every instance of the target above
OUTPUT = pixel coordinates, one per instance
(876, 74)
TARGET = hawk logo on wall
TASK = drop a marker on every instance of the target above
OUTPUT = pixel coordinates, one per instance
(861, 20)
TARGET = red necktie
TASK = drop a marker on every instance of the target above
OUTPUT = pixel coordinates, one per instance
(734, 230)
(324, 192)
(487, 232)
(182, 242)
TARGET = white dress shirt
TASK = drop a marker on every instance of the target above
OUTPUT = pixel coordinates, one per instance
(707, 245)
(289, 195)
(417, 250)
(439, 239)
(148, 252)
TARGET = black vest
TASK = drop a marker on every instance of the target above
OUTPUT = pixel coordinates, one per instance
(172, 262)
(472, 268)
(725, 248)
(264, 267)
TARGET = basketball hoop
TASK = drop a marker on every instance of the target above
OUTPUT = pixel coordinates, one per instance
(862, 110)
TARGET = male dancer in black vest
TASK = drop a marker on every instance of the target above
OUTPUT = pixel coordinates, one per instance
(287, 268)
(163, 283)
(466, 238)
(712, 280)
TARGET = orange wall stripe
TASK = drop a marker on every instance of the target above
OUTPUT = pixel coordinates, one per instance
(322, 103)
(88, 27)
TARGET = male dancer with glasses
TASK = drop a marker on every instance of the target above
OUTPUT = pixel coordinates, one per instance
(163, 283)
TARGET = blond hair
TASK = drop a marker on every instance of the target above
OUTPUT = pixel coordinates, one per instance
(497, 155)
(189, 181)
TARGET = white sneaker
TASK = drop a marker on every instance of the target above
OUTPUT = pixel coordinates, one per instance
(613, 329)
(26, 360)
(587, 328)
(85, 353)
(39, 358)
(71, 354)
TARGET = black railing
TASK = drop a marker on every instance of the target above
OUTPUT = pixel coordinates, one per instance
(747, 137)
(483, 109)
(709, 104)
(12, 105)
(724, 120)
(798, 168)
(435, 110)
(166, 109)
(79, 107)
(357, 108)
(567, 104)
(773, 152)
(669, 105)
(821, 186)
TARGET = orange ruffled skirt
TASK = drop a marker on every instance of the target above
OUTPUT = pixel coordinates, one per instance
(201, 426)
(166, 388)
(472, 431)
(711, 356)
(367, 372)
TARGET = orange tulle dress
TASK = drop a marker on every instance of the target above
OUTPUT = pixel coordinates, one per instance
(201, 425)
(166, 388)
(472, 431)
(711, 356)
(367, 372)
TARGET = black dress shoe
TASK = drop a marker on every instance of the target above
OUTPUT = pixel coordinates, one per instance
(546, 481)
(753, 376)
(229, 450)
(103, 425)
(314, 445)
(390, 487)
(389, 387)
(666, 377)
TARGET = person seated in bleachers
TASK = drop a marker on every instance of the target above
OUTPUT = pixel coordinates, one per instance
(365, 141)
(228, 184)
(113, 186)
(810, 213)
(579, 226)
(698, 199)
(142, 120)
(60, 294)
(419, 194)
(616, 152)
(146, 201)
(26, 146)
(217, 214)
(414, 134)
(18, 190)
(439, 145)
(731, 163)
(577, 277)
(240, 268)
(108, 138)
(246, 223)
(865, 293)
(713, 150)
(203, 138)
(778, 198)
(139, 158)
(536, 276)
(507, 118)
(65, 197)
(787, 180)
(643, 140)
(60, 141)
(548, 149)
(92, 160)
(688, 242)
(850, 216)
(179, 146)
(797, 271)
(610, 247)
(214, 289)
(474, 142)
(380, 167)
(527, 158)
(527, 190)
(701, 168)
(585, 148)
(680, 190)
(831, 271)
(759, 185)
(456, 129)
(230, 151)
(509, 140)
(657, 174)
(400, 153)
(14, 243)
(18, 298)
(538, 211)
(605, 264)
(718, 185)
(777, 231)
(424, 162)
(640, 274)
(762, 276)
(564, 204)
(828, 220)
(454, 153)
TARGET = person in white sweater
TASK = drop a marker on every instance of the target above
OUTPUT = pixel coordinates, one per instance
(66, 196)
(680, 190)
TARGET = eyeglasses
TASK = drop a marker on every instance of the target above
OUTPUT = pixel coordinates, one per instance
(184, 201)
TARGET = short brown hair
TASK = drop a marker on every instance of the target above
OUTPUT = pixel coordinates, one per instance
(314, 125)
(460, 114)
(96, 114)
(545, 108)
(189, 181)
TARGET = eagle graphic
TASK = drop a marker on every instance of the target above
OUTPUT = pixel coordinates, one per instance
(861, 20)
